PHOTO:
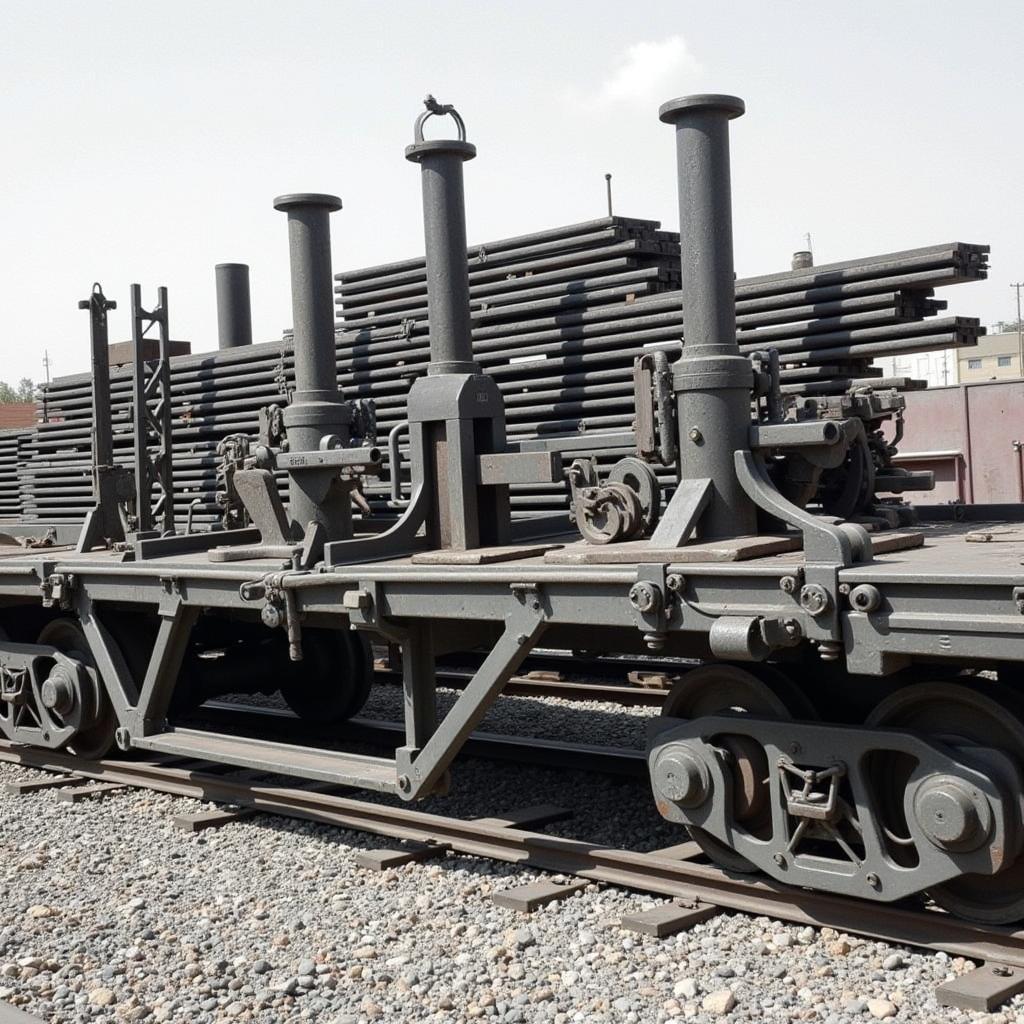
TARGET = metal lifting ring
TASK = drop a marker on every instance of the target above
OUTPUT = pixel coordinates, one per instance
(439, 110)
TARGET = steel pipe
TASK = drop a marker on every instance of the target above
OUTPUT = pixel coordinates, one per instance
(712, 381)
(234, 307)
(316, 409)
(309, 241)
(444, 228)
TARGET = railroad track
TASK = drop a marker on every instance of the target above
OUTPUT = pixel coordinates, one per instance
(240, 719)
(544, 683)
(698, 888)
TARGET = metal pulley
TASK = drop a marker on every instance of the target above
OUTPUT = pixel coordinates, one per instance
(607, 512)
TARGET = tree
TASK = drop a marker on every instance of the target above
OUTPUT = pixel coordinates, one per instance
(24, 392)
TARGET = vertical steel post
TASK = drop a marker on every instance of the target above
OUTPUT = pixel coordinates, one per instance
(444, 228)
(711, 379)
(102, 436)
(456, 412)
(110, 484)
(316, 411)
(234, 307)
(151, 404)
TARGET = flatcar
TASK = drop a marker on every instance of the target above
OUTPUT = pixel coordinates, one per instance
(853, 724)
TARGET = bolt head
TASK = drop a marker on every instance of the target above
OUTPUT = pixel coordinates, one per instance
(695, 435)
(814, 598)
(645, 597)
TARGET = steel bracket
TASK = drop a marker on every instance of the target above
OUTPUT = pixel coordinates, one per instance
(653, 603)
(420, 769)
(57, 590)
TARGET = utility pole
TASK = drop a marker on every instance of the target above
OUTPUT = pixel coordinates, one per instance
(1020, 331)
(608, 190)
(46, 364)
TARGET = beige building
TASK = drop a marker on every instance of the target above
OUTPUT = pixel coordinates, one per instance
(995, 357)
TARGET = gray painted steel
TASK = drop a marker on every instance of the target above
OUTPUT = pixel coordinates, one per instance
(234, 306)
(316, 409)
(711, 379)
(444, 228)
(450, 570)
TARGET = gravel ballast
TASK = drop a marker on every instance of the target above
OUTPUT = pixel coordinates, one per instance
(114, 914)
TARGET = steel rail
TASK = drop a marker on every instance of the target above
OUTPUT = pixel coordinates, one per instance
(630, 869)
(567, 689)
(587, 757)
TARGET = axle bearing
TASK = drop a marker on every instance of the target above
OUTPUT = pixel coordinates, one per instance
(58, 691)
(681, 776)
(951, 814)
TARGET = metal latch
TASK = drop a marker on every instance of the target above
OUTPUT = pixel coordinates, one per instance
(56, 590)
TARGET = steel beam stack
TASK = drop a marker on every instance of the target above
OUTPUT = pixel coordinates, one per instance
(557, 319)
(10, 500)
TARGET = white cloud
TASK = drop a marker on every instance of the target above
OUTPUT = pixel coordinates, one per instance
(645, 72)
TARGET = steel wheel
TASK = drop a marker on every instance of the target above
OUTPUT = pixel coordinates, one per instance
(97, 740)
(957, 715)
(333, 680)
(759, 690)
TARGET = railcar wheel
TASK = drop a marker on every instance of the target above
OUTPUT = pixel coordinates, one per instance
(759, 690)
(333, 680)
(97, 740)
(958, 715)
(848, 489)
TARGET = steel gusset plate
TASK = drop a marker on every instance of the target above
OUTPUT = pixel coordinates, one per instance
(827, 829)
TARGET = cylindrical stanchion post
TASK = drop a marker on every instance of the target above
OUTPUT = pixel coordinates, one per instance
(316, 409)
(444, 228)
(234, 308)
(711, 379)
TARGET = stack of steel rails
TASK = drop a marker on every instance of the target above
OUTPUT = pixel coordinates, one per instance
(558, 319)
(613, 256)
(564, 362)
(10, 497)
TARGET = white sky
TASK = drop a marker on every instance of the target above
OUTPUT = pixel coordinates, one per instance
(144, 141)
